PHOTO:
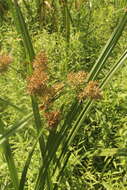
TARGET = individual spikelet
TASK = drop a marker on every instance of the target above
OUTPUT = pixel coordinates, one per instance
(92, 90)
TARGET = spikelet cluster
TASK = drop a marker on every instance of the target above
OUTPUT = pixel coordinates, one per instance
(37, 83)
(53, 119)
(92, 91)
(5, 61)
(76, 78)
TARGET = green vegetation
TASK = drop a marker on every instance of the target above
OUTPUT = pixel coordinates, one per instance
(63, 76)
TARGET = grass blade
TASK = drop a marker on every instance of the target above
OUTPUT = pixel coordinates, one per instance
(66, 18)
(9, 159)
(114, 69)
(22, 28)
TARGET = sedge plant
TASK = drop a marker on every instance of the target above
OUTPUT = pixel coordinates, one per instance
(54, 147)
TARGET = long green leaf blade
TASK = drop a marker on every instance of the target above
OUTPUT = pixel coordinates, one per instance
(9, 159)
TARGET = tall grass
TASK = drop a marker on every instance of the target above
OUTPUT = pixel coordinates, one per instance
(54, 148)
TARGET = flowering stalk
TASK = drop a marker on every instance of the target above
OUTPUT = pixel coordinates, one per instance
(22, 29)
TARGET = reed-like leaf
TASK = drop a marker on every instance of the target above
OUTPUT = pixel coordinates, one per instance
(114, 68)
(22, 28)
(66, 19)
(9, 158)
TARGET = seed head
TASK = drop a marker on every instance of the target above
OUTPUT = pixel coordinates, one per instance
(37, 82)
(53, 119)
(92, 90)
(5, 60)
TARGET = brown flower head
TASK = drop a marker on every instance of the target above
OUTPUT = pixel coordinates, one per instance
(92, 90)
(76, 79)
(40, 61)
(53, 119)
(37, 82)
(5, 60)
